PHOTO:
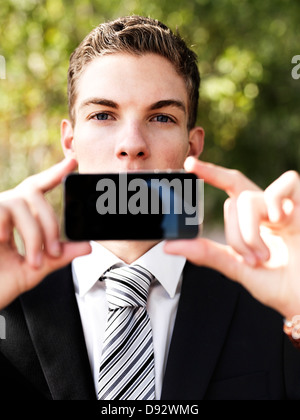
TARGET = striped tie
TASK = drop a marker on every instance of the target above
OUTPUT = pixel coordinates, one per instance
(127, 363)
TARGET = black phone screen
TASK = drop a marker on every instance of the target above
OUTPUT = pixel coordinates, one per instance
(132, 206)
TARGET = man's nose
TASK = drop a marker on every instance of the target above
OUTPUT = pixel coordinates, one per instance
(132, 144)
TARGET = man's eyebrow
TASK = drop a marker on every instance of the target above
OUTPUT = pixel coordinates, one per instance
(157, 105)
(99, 101)
(168, 103)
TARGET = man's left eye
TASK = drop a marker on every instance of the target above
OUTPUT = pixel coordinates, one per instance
(163, 119)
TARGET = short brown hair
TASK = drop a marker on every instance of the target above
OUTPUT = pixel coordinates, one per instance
(137, 35)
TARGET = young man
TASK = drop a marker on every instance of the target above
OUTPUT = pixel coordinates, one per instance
(133, 94)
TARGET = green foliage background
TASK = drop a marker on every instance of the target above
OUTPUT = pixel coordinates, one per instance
(250, 102)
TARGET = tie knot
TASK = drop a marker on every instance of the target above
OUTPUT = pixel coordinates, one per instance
(127, 286)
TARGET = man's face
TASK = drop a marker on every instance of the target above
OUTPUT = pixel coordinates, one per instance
(131, 114)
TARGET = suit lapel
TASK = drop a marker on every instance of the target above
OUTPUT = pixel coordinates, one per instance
(54, 324)
(205, 310)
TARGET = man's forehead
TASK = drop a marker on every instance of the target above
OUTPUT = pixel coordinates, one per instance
(117, 77)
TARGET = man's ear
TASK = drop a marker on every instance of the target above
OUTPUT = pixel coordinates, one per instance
(67, 139)
(196, 141)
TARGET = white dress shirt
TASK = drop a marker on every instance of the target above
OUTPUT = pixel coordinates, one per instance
(162, 301)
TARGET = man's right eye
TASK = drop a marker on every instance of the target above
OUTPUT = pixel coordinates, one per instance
(102, 116)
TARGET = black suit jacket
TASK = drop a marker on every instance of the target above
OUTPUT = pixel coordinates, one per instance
(225, 345)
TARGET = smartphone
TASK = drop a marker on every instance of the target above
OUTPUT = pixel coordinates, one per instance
(133, 206)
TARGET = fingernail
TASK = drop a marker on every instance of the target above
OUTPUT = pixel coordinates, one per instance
(55, 249)
(274, 215)
(37, 260)
(189, 163)
(170, 246)
(250, 260)
(262, 256)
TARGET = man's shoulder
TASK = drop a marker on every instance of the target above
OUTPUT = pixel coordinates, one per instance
(199, 276)
(55, 285)
(44, 330)
(199, 280)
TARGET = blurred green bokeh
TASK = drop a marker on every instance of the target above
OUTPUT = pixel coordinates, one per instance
(249, 101)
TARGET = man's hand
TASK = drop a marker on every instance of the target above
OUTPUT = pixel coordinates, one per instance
(26, 210)
(263, 236)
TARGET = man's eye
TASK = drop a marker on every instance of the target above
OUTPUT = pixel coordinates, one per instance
(163, 119)
(102, 116)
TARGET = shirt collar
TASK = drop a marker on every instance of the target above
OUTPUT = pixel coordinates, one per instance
(166, 268)
(88, 269)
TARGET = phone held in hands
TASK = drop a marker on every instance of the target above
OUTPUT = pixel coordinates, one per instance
(133, 206)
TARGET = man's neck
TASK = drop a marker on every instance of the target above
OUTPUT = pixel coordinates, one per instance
(129, 251)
